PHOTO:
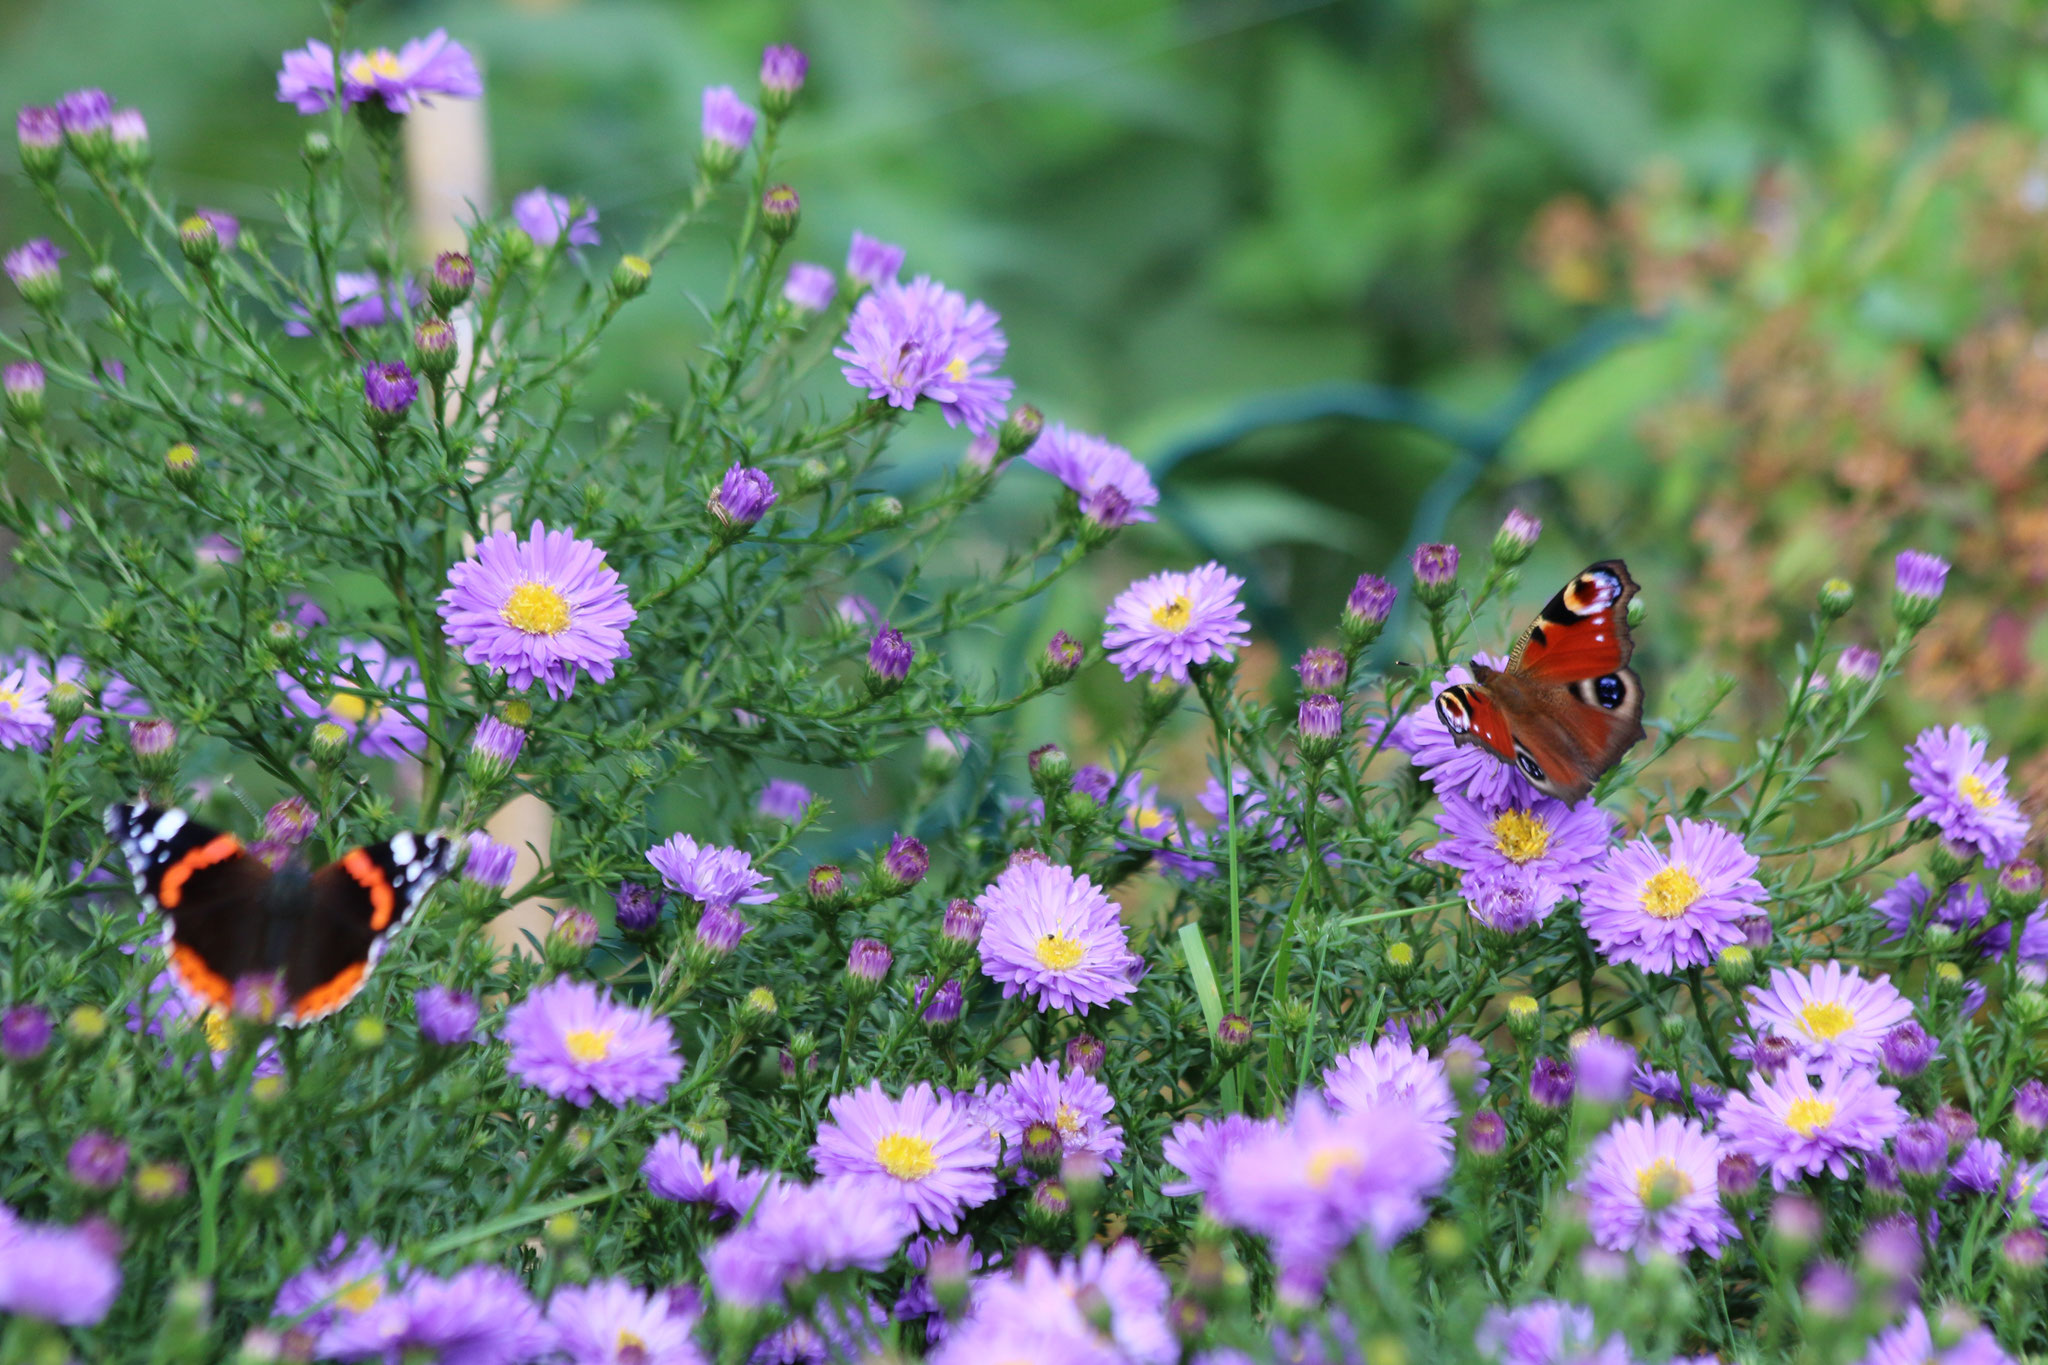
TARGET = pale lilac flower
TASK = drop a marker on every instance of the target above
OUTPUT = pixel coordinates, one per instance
(480, 1315)
(784, 800)
(540, 609)
(1564, 844)
(1040, 1104)
(1547, 1332)
(1199, 1147)
(1667, 909)
(676, 1170)
(1095, 469)
(433, 65)
(809, 288)
(487, 862)
(709, 874)
(1393, 1073)
(1962, 909)
(801, 1230)
(1797, 1126)
(1650, 1185)
(1912, 1343)
(545, 216)
(1918, 574)
(743, 497)
(728, 119)
(574, 1042)
(922, 1144)
(447, 1017)
(1054, 936)
(609, 1322)
(349, 1278)
(376, 697)
(923, 340)
(870, 263)
(24, 711)
(1161, 625)
(1835, 1017)
(1605, 1066)
(1964, 794)
(64, 1275)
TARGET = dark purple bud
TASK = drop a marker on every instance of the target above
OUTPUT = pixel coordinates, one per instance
(944, 1010)
(889, 658)
(1737, 1176)
(1436, 569)
(1486, 1134)
(1881, 1173)
(1774, 1053)
(25, 1033)
(388, 391)
(743, 497)
(1086, 1054)
(906, 862)
(1551, 1083)
(1320, 721)
(868, 961)
(453, 278)
(1958, 1124)
(290, 821)
(963, 922)
(447, 1017)
(1322, 670)
(1756, 932)
(97, 1161)
(1063, 656)
(1890, 1249)
(1107, 507)
(40, 132)
(2030, 1108)
(1906, 1050)
(88, 118)
(719, 930)
(1371, 602)
(636, 907)
(1795, 1221)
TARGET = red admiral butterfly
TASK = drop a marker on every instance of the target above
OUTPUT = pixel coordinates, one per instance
(227, 915)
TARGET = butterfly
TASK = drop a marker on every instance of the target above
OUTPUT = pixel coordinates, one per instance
(227, 915)
(1567, 706)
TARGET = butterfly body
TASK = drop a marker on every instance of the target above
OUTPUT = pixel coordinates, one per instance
(1567, 706)
(226, 915)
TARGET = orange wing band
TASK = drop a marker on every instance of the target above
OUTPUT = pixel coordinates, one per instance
(199, 978)
(330, 996)
(364, 869)
(218, 849)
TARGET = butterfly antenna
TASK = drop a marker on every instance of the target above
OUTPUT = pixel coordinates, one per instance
(243, 797)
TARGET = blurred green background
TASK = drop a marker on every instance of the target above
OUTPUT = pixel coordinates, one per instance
(1348, 275)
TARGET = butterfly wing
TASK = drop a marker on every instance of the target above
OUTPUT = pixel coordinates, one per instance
(1472, 716)
(206, 888)
(1582, 632)
(1564, 739)
(354, 905)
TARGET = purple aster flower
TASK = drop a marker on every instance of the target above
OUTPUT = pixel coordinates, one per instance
(922, 1143)
(1980, 1168)
(65, 1275)
(678, 1171)
(389, 390)
(1315, 1181)
(25, 718)
(1041, 1105)
(906, 862)
(493, 749)
(1321, 671)
(1562, 844)
(1962, 909)
(1546, 1332)
(635, 907)
(1857, 665)
(784, 800)
(1919, 1152)
(40, 131)
(609, 1322)
(1198, 1148)
(1964, 794)
(376, 697)
(802, 1230)
(783, 69)
(447, 1017)
(947, 1002)
(1161, 625)
(1094, 467)
(2030, 1107)
(743, 497)
(1100, 1305)
(97, 1160)
(1605, 1066)
(85, 113)
(871, 263)
(1552, 1083)
(1468, 769)
(728, 120)
(1436, 568)
(32, 267)
(1918, 574)
(25, 1032)
(709, 874)
(488, 863)
(890, 655)
(545, 216)
(1517, 534)
(1053, 935)
(1834, 1016)
(1371, 600)
(1912, 1342)
(1907, 1050)
(719, 930)
(361, 299)
(480, 1315)
(1676, 908)
(433, 65)
(539, 609)
(923, 340)
(809, 288)
(1799, 1127)
(347, 1279)
(1650, 1185)
(1372, 1078)
(577, 1043)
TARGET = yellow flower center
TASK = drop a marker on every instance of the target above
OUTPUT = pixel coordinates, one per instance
(956, 369)
(1808, 1116)
(588, 1044)
(1825, 1019)
(1520, 835)
(1662, 1178)
(632, 1346)
(348, 706)
(1327, 1163)
(381, 62)
(359, 1296)
(1038, 1134)
(1067, 1119)
(906, 1157)
(12, 699)
(1669, 893)
(536, 609)
(1174, 615)
(1977, 792)
(1058, 953)
(708, 1173)
(220, 1035)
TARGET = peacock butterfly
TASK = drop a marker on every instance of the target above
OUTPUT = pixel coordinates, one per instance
(1567, 706)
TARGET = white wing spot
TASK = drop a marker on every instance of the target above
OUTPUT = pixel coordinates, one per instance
(171, 822)
(403, 847)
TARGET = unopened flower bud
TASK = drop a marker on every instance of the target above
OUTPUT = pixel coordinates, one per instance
(154, 745)
(1735, 966)
(780, 209)
(198, 240)
(434, 347)
(181, 465)
(1366, 610)
(2017, 892)
(368, 1033)
(1319, 727)
(1020, 431)
(631, 276)
(1061, 660)
(448, 288)
(33, 269)
(1399, 961)
(867, 963)
(1436, 574)
(263, 1177)
(782, 79)
(906, 862)
(1524, 1017)
(826, 886)
(1917, 582)
(889, 660)
(1515, 538)
(388, 393)
(22, 383)
(66, 703)
(1233, 1039)
(39, 131)
(1552, 1083)
(1486, 1138)
(756, 1009)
